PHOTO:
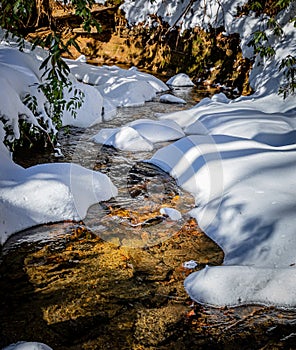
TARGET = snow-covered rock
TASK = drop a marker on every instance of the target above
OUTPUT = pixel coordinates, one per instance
(46, 193)
(125, 139)
(168, 98)
(139, 135)
(27, 346)
(158, 130)
(172, 213)
(180, 80)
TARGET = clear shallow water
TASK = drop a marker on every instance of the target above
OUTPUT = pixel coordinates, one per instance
(127, 172)
(124, 223)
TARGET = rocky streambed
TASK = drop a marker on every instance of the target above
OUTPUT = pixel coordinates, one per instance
(80, 292)
(70, 289)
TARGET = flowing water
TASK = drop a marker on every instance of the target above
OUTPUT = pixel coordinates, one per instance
(115, 280)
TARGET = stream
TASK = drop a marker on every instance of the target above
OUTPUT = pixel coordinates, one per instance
(115, 279)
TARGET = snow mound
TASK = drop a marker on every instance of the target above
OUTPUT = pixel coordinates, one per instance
(168, 98)
(180, 80)
(27, 346)
(20, 76)
(125, 139)
(105, 89)
(268, 286)
(46, 193)
(158, 130)
(139, 135)
(128, 92)
(91, 110)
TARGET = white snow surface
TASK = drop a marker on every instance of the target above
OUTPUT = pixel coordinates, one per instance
(168, 98)
(28, 346)
(239, 161)
(46, 193)
(20, 76)
(172, 213)
(118, 87)
(124, 138)
(179, 80)
(140, 135)
(105, 88)
(185, 14)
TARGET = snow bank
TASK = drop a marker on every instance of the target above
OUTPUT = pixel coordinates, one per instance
(20, 76)
(239, 161)
(119, 87)
(180, 80)
(105, 89)
(109, 88)
(46, 193)
(265, 77)
(92, 108)
(237, 285)
(139, 135)
(55, 192)
(49, 192)
(246, 117)
(185, 14)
